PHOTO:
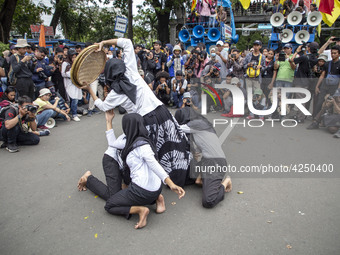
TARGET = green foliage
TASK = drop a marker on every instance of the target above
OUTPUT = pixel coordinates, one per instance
(3, 47)
(144, 28)
(246, 42)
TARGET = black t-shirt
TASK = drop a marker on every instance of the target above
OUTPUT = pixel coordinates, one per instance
(10, 114)
(305, 65)
(255, 59)
(335, 67)
(159, 59)
(268, 69)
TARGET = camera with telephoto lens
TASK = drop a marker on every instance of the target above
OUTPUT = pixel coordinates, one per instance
(34, 59)
(304, 46)
(282, 56)
(188, 101)
(42, 75)
(31, 108)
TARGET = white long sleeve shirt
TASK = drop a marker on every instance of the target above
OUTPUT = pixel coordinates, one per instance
(146, 101)
(72, 90)
(145, 171)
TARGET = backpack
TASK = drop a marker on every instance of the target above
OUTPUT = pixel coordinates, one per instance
(4, 106)
(253, 73)
(12, 79)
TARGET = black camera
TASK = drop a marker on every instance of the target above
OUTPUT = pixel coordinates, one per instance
(336, 39)
(34, 59)
(31, 108)
(193, 56)
(61, 57)
(330, 98)
(202, 55)
(42, 75)
(215, 70)
(282, 56)
(233, 55)
(188, 101)
(255, 97)
(304, 46)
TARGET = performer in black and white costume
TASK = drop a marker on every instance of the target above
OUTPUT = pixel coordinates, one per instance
(130, 91)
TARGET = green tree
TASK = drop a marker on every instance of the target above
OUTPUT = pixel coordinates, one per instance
(145, 26)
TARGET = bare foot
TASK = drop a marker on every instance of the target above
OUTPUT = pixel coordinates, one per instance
(160, 205)
(199, 180)
(227, 184)
(83, 180)
(143, 214)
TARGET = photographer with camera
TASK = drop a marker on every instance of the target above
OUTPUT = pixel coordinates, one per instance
(175, 61)
(328, 52)
(304, 77)
(193, 61)
(329, 114)
(56, 63)
(41, 70)
(187, 101)
(235, 65)
(215, 74)
(21, 70)
(18, 120)
(161, 88)
(159, 57)
(179, 86)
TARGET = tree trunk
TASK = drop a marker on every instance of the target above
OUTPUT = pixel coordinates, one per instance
(163, 27)
(56, 16)
(130, 18)
(6, 18)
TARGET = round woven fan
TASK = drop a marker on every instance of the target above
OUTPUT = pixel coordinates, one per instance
(87, 66)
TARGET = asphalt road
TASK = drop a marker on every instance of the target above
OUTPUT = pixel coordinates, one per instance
(42, 212)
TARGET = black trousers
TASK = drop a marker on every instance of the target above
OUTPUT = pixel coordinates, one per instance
(118, 201)
(16, 136)
(25, 87)
(121, 202)
(212, 188)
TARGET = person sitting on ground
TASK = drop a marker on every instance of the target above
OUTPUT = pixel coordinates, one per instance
(139, 154)
(161, 87)
(259, 103)
(61, 102)
(204, 135)
(187, 101)
(18, 119)
(179, 86)
(46, 110)
(8, 95)
(330, 114)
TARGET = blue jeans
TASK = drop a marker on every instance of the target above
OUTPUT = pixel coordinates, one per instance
(178, 99)
(74, 106)
(284, 84)
(43, 117)
(4, 83)
(212, 21)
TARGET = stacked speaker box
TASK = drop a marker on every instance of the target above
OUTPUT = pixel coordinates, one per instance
(293, 31)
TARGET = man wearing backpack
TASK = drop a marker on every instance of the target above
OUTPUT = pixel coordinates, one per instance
(17, 121)
(253, 63)
(21, 70)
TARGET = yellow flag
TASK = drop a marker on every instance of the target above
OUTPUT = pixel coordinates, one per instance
(330, 19)
(245, 4)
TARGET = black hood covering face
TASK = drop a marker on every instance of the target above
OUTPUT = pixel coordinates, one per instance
(115, 77)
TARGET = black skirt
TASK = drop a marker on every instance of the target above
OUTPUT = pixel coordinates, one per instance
(171, 143)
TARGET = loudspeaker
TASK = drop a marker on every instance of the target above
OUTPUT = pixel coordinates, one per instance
(294, 18)
(286, 35)
(277, 19)
(302, 36)
(50, 123)
(195, 41)
(214, 34)
(198, 31)
(183, 35)
(314, 18)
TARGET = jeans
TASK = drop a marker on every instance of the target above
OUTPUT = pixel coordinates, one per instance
(43, 117)
(284, 84)
(74, 105)
(212, 21)
(4, 83)
(178, 99)
(16, 136)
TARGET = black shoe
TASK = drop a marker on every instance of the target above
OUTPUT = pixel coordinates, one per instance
(11, 147)
(314, 125)
(3, 145)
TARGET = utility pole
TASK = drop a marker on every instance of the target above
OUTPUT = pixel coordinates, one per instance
(130, 18)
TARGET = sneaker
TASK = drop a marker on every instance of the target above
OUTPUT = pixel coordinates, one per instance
(12, 147)
(250, 117)
(337, 134)
(76, 118)
(300, 121)
(261, 118)
(44, 132)
(314, 125)
(85, 112)
(42, 127)
(89, 114)
(3, 145)
(79, 115)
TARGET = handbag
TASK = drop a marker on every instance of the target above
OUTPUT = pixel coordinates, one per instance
(253, 73)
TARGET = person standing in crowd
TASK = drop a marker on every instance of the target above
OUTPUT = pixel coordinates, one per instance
(205, 12)
(22, 70)
(131, 92)
(159, 57)
(221, 15)
(175, 61)
(41, 70)
(323, 49)
(73, 92)
(213, 14)
(161, 88)
(285, 68)
(222, 53)
(268, 74)
(253, 64)
(329, 80)
(56, 77)
(235, 65)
